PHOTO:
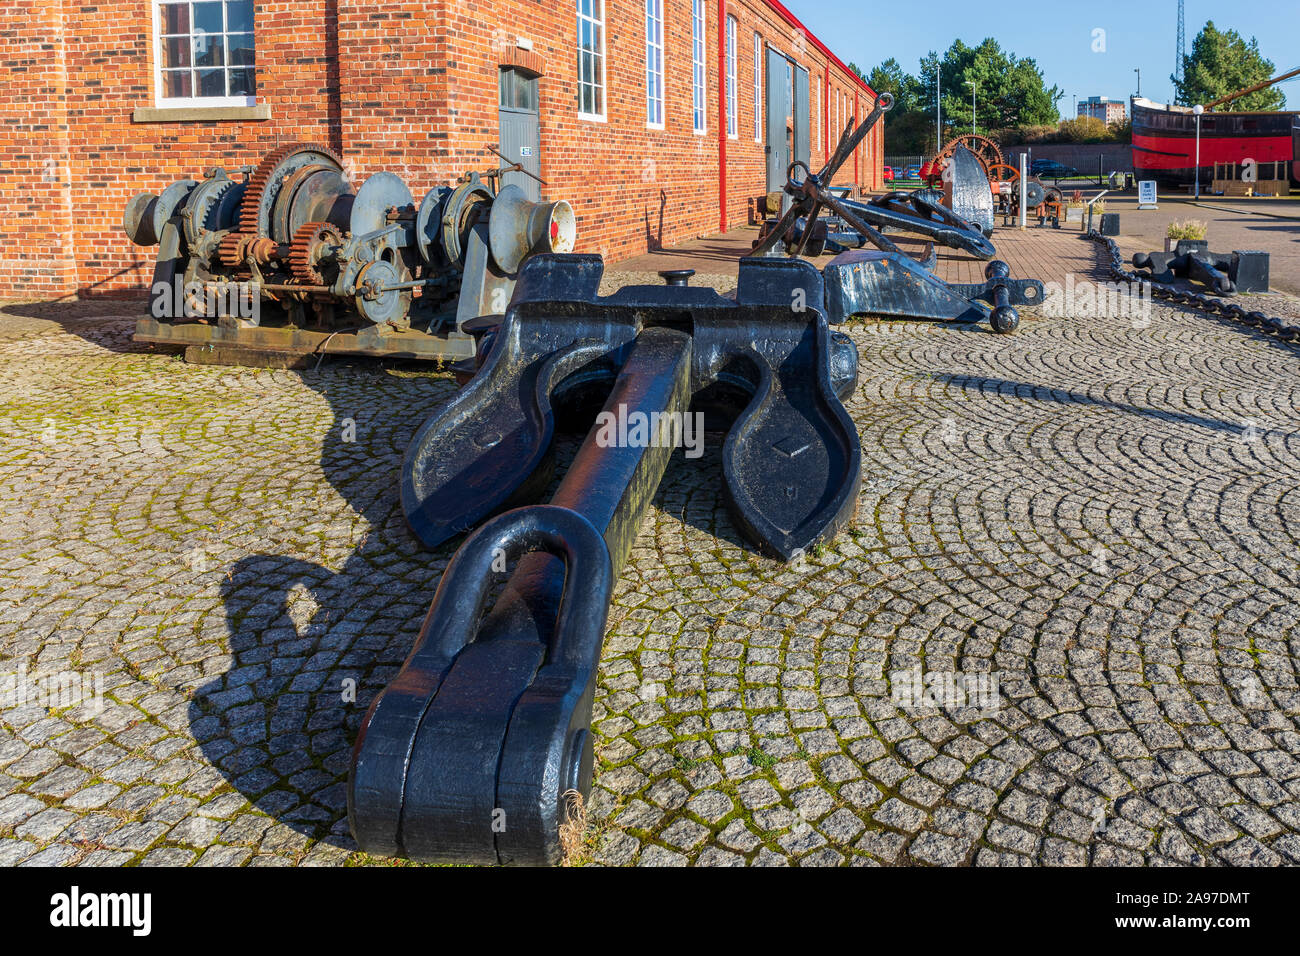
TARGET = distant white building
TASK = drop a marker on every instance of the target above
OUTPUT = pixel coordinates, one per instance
(1103, 108)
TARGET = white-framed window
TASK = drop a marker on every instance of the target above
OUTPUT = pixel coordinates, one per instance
(591, 59)
(204, 53)
(731, 77)
(758, 88)
(654, 63)
(699, 107)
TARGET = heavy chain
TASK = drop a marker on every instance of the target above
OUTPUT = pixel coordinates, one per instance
(1197, 300)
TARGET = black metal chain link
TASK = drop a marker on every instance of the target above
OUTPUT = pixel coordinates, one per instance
(1197, 300)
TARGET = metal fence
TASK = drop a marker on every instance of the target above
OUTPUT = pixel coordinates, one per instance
(904, 161)
(1096, 161)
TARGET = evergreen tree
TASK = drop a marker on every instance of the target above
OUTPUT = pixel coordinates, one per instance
(1009, 91)
(1221, 62)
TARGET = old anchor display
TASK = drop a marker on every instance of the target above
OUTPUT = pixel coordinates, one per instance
(332, 267)
(888, 286)
(886, 282)
(480, 750)
(1225, 273)
(800, 229)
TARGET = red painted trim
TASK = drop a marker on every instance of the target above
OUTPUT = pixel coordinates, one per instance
(826, 109)
(722, 115)
(857, 153)
(794, 21)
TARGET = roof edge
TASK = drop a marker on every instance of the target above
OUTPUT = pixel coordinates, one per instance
(794, 21)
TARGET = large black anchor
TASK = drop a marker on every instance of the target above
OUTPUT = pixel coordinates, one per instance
(802, 232)
(480, 750)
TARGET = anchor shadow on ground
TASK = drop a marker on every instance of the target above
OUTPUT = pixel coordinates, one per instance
(1043, 393)
(312, 642)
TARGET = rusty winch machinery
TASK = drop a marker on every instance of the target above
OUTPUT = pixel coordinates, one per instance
(330, 267)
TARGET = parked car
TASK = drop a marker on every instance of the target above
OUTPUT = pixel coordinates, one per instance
(912, 172)
(1051, 169)
(898, 171)
(889, 174)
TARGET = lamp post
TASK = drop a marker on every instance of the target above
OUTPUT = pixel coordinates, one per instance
(1138, 71)
(1197, 110)
(971, 84)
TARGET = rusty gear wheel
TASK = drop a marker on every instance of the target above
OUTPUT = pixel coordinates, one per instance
(985, 150)
(309, 243)
(1003, 173)
(251, 209)
(233, 249)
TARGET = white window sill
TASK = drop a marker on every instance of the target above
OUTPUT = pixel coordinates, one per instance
(654, 126)
(201, 114)
(592, 118)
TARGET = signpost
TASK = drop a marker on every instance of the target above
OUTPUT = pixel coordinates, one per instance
(1024, 188)
(1147, 194)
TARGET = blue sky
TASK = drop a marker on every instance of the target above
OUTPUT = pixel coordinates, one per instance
(1138, 34)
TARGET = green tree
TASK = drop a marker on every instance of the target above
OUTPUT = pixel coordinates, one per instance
(904, 126)
(1221, 62)
(890, 77)
(909, 133)
(1024, 96)
(1008, 91)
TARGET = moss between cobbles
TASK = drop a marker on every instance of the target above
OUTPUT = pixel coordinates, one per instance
(763, 762)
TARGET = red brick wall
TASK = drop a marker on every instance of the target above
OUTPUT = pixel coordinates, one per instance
(404, 85)
(111, 158)
(35, 199)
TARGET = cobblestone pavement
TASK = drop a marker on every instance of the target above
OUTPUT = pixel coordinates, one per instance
(1105, 517)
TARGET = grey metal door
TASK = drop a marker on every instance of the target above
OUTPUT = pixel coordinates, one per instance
(521, 138)
(778, 111)
(802, 129)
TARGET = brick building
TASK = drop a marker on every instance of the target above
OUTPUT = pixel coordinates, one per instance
(661, 120)
(1103, 108)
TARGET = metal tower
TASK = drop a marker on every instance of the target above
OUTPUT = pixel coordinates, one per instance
(1182, 46)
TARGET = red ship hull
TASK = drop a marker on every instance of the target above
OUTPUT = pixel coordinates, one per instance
(1164, 142)
(1295, 151)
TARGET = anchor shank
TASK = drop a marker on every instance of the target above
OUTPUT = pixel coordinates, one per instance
(493, 730)
(611, 486)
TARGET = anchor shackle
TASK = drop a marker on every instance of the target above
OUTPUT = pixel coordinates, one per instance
(445, 753)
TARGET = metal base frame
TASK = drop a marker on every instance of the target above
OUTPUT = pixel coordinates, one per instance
(240, 343)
